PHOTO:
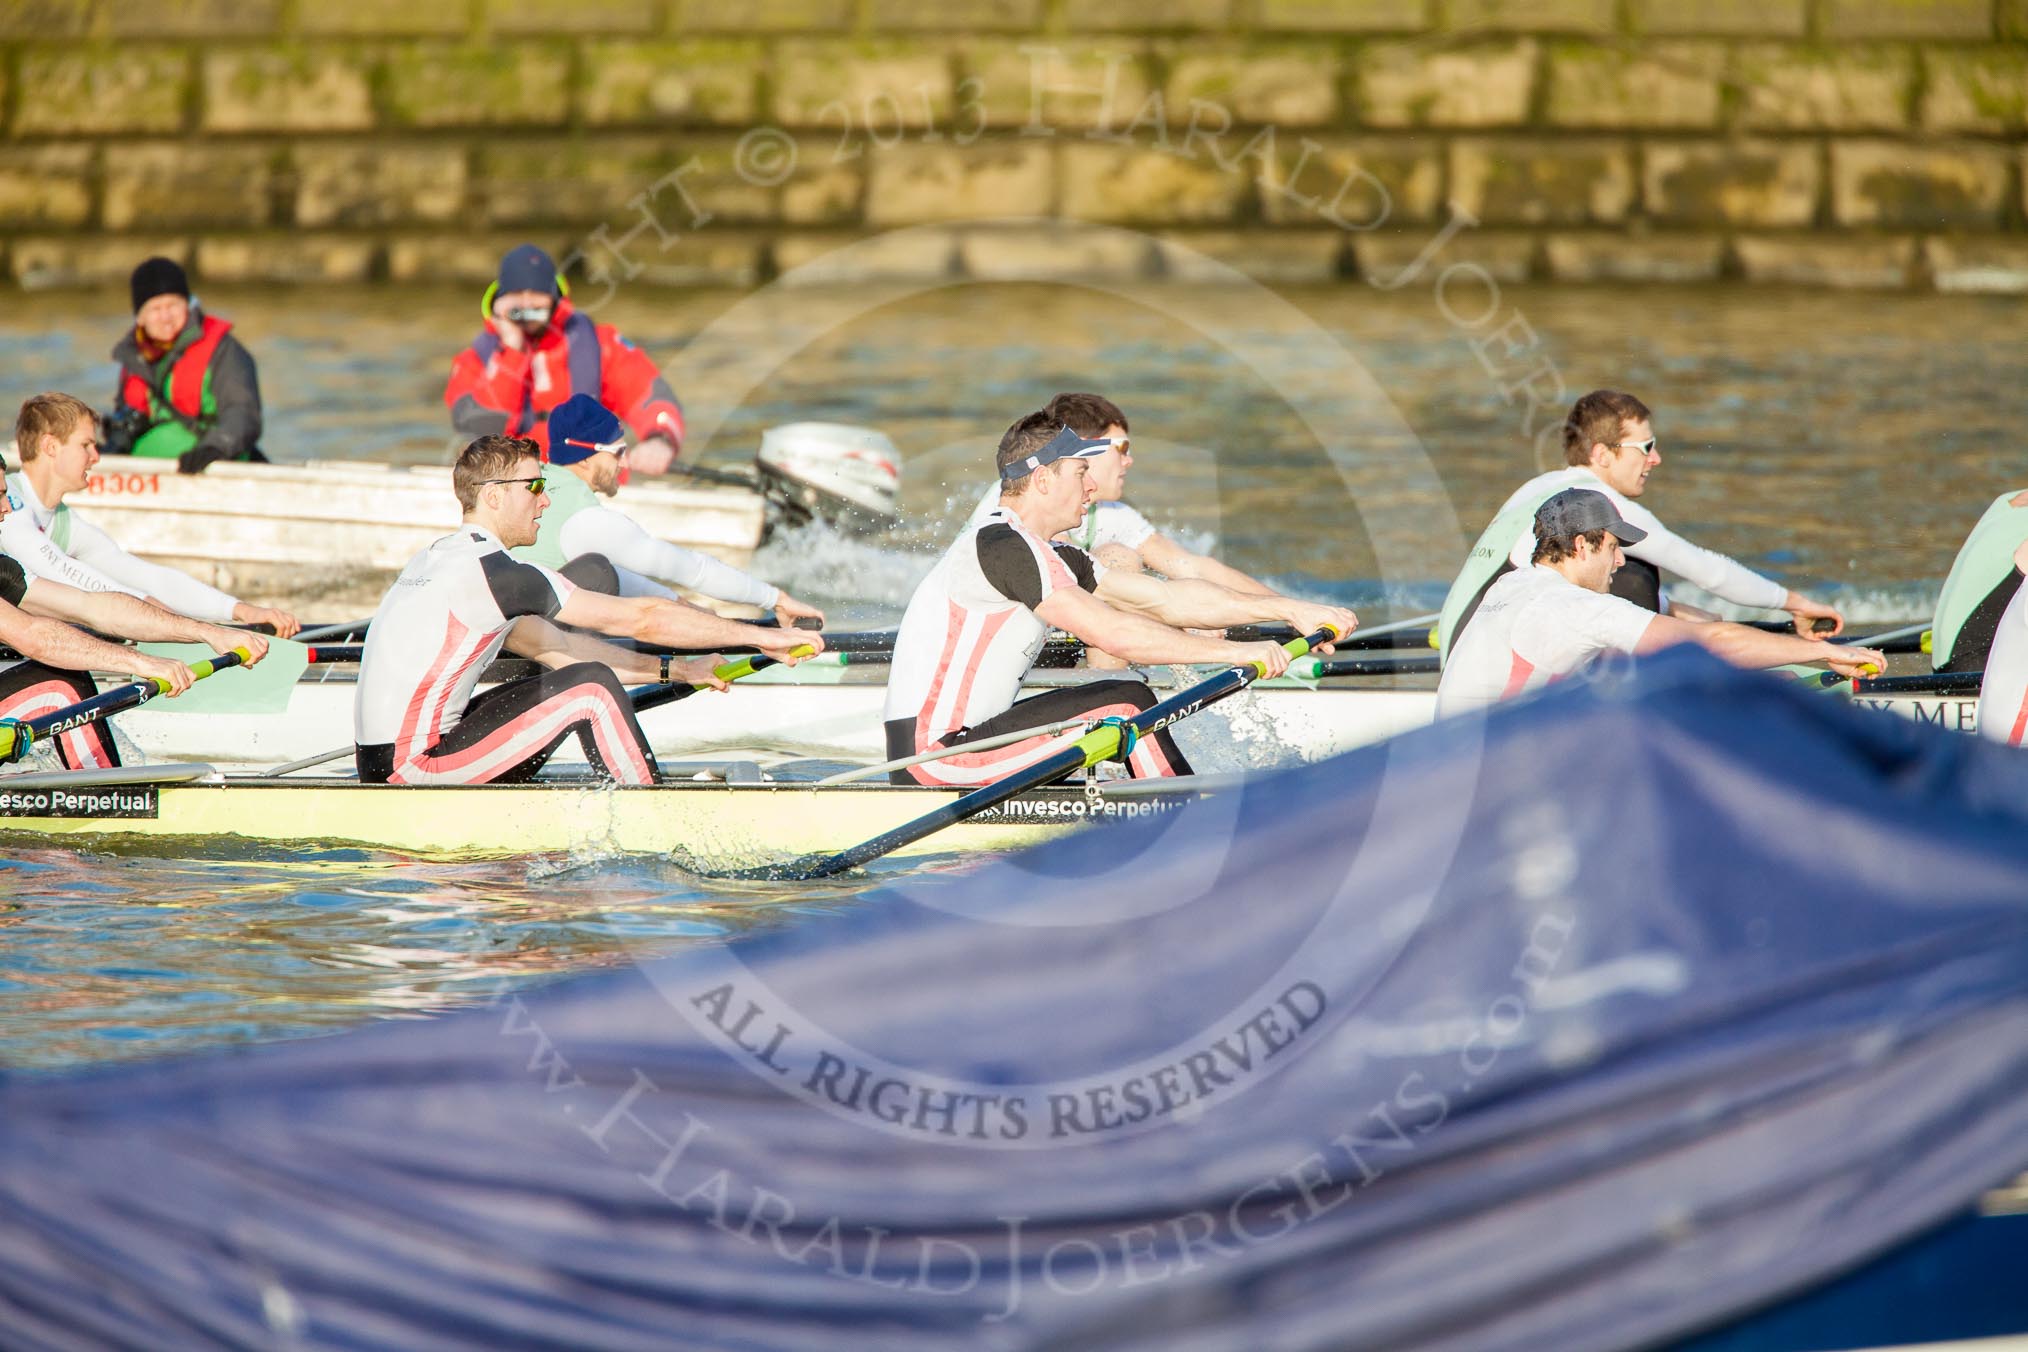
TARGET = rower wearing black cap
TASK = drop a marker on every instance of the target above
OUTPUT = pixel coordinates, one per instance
(1544, 622)
(979, 619)
(537, 350)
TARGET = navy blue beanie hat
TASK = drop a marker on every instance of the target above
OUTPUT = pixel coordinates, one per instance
(527, 268)
(579, 428)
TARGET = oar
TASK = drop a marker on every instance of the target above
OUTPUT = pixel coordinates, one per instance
(345, 630)
(1929, 683)
(655, 696)
(265, 689)
(1101, 743)
(17, 737)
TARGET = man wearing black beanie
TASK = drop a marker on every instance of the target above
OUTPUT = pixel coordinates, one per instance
(187, 388)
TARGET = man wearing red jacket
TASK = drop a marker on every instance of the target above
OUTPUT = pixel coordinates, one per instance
(537, 351)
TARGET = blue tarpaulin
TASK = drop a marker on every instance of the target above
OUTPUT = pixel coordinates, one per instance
(1590, 1024)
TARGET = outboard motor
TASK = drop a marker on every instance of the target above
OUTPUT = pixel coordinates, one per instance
(850, 476)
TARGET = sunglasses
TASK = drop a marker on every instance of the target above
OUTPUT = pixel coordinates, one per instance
(534, 484)
(1644, 447)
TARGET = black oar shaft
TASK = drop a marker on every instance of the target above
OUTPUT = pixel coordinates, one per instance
(104, 703)
(1932, 683)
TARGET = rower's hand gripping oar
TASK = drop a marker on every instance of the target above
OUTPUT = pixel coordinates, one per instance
(17, 736)
(1111, 738)
(655, 696)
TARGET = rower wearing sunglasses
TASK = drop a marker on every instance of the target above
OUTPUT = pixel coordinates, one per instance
(1610, 448)
(587, 447)
(459, 602)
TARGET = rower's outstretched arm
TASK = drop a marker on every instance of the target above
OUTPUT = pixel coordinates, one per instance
(649, 619)
(553, 646)
(56, 644)
(1189, 602)
(1744, 646)
(1140, 639)
(130, 617)
(1165, 556)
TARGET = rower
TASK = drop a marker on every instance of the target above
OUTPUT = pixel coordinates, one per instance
(460, 601)
(59, 443)
(1979, 588)
(1611, 449)
(1112, 531)
(1544, 622)
(58, 658)
(980, 617)
(2003, 693)
(589, 444)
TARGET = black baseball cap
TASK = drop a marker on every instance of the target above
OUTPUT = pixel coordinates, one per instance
(1575, 511)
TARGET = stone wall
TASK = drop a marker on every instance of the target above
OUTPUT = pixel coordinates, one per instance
(1866, 143)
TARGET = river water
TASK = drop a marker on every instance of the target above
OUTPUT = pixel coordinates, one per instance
(1346, 441)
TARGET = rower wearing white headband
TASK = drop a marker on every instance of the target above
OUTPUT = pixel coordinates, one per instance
(978, 620)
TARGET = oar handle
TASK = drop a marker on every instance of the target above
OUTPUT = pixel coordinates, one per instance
(655, 696)
(1298, 647)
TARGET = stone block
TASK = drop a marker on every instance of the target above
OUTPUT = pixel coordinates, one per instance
(913, 182)
(1148, 15)
(294, 258)
(44, 19)
(1054, 252)
(191, 18)
(433, 84)
(857, 86)
(731, 259)
(45, 186)
(1476, 84)
(1928, 186)
(1841, 263)
(1335, 16)
(466, 257)
(187, 184)
(1721, 18)
(573, 18)
(373, 183)
(823, 188)
(45, 263)
(1530, 16)
(1617, 257)
(678, 184)
(1289, 86)
(1979, 266)
(391, 18)
(300, 89)
(1845, 88)
(1977, 89)
(1081, 85)
(2013, 18)
(1837, 19)
(96, 90)
(761, 16)
(1384, 257)
(919, 255)
(1652, 85)
(1273, 257)
(1354, 182)
(960, 16)
(1550, 182)
(1738, 182)
(1121, 184)
(680, 82)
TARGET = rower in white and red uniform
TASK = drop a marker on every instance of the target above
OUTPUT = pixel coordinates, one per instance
(38, 616)
(464, 598)
(978, 620)
(1554, 618)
